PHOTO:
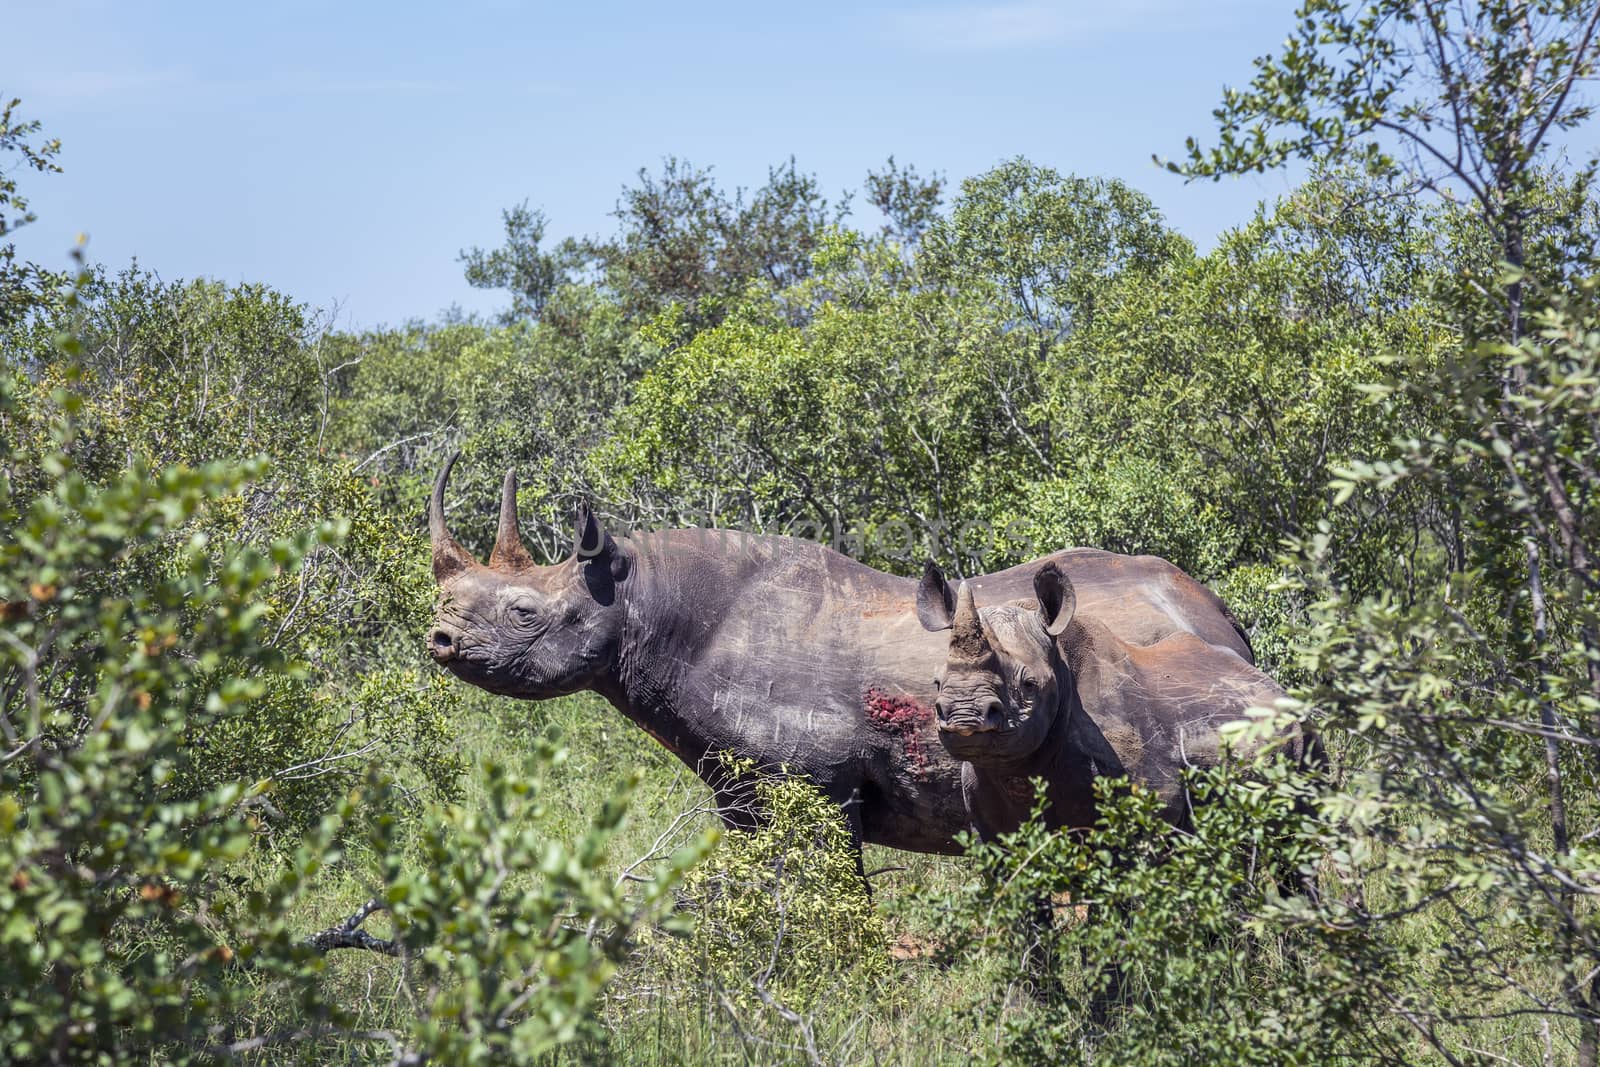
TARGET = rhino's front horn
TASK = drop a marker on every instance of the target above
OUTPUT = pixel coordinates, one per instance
(508, 552)
(449, 558)
(967, 639)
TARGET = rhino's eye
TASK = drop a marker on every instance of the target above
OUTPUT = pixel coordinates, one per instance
(1029, 686)
(523, 613)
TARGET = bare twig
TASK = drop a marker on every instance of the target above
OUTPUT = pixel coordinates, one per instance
(349, 934)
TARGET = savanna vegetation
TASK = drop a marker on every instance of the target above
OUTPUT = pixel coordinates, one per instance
(242, 818)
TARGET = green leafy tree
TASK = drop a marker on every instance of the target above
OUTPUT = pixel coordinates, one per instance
(683, 240)
(508, 938)
(520, 266)
(23, 286)
(531, 396)
(117, 937)
(1145, 943)
(1458, 97)
(1242, 374)
(877, 428)
(1047, 243)
(179, 371)
(778, 917)
(1472, 706)
(196, 373)
(1472, 700)
(909, 202)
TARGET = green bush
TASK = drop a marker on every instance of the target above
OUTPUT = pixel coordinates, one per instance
(1272, 615)
(1132, 505)
(507, 938)
(118, 939)
(143, 919)
(1164, 945)
(780, 914)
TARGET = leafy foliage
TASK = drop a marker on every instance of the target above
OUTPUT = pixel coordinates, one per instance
(531, 276)
(509, 938)
(1145, 943)
(1469, 692)
(154, 719)
(117, 934)
(1475, 702)
(780, 916)
(909, 202)
(1046, 242)
(23, 286)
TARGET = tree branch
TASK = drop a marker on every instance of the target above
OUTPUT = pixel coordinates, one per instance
(349, 934)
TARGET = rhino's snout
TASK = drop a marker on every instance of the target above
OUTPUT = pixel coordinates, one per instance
(443, 641)
(967, 719)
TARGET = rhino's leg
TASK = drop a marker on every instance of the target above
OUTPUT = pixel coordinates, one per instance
(854, 821)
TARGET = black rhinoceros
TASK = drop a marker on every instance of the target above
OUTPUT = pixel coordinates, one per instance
(1043, 688)
(780, 650)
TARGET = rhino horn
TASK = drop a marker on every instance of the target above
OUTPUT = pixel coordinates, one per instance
(508, 553)
(449, 558)
(967, 639)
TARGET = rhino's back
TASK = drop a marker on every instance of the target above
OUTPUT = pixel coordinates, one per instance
(1162, 706)
(1142, 600)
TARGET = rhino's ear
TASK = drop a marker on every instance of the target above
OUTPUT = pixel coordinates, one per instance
(936, 601)
(592, 544)
(1057, 600)
(591, 540)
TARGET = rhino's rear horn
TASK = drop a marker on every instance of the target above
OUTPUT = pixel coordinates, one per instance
(508, 553)
(449, 558)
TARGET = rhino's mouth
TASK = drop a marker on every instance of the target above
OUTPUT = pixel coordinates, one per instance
(468, 660)
(487, 668)
(1002, 745)
(450, 648)
(464, 664)
(961, 744)
(485, 675)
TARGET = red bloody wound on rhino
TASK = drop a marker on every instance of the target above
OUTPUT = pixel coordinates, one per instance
(902, 716)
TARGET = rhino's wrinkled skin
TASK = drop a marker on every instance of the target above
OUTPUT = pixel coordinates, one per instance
(1043, 688)
(779, 650)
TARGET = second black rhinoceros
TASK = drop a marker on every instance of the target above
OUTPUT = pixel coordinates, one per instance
(1041, 688)
(778, 650)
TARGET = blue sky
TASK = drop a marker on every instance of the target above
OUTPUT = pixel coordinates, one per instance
(345, 153)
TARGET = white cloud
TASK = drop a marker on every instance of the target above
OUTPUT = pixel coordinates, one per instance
(94, 87)
(315, 84)
(998, 27)
(98, 84)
